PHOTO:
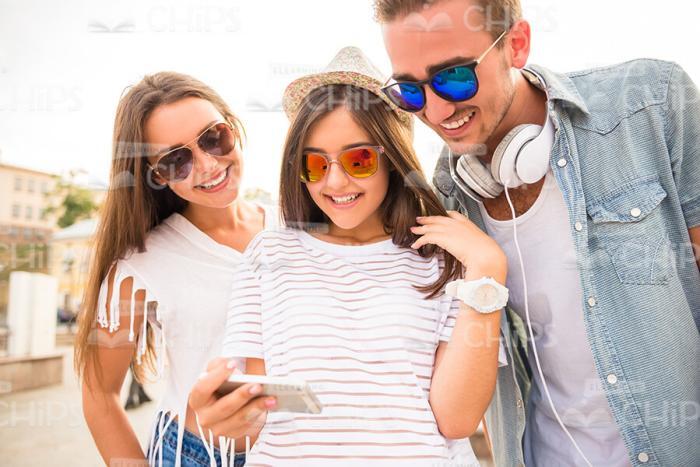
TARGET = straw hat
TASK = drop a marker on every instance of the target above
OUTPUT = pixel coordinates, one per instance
(350, 66)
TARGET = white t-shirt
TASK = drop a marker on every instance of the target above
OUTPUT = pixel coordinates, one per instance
(555, 300)
(348, 320)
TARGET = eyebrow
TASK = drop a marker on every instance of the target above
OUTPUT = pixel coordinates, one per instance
(179, 145)
(344, 148)
(435, 68)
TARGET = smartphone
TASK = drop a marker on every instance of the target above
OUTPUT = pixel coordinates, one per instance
(293, 394)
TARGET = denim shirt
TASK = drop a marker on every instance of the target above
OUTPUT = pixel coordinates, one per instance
(626, 157)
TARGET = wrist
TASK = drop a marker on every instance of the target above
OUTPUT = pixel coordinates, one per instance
(484, 295)
(496, 269)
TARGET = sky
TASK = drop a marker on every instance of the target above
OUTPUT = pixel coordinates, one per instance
(64, 65)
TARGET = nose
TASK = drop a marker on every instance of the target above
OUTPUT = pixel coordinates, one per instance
(204, 163)
(437, 109)
(336, 178)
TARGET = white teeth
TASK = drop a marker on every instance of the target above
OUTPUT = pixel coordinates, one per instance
(213, 183)
(344, 199)
(456, 124)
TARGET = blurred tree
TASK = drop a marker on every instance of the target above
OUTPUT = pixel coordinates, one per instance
(77, 203)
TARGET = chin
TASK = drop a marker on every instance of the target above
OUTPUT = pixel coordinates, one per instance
(343, 222)
(466, 145)
(217, 200)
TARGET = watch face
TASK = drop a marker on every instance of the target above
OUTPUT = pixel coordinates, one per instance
(486, 295)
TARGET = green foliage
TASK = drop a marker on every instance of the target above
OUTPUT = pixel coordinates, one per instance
(77, 204)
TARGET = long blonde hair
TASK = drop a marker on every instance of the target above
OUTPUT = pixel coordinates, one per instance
(134, 204)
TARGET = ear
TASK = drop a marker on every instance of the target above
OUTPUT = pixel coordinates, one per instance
(519, 41)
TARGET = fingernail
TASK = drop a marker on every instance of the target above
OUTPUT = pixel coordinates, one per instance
(255, 389)
(202, 375)
(231, 364)
(271, 402)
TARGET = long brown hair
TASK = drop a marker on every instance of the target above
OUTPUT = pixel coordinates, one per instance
(134, 204)
(409, 195)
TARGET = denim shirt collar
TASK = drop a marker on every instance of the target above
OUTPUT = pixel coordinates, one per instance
(558, 87)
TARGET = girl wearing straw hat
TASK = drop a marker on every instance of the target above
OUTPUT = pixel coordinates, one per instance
(352, 296)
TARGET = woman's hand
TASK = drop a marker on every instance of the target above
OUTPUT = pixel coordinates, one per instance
(237, 414)
(456, 234)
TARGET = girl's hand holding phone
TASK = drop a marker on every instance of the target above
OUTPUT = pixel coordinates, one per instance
(240, 413)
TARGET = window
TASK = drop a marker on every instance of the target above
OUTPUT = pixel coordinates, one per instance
(30, 185)
(28, 233)
(18, 184)
(28, 212)
(44, 187)
(16, 211)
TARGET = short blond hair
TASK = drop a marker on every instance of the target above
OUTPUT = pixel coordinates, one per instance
(500, 14)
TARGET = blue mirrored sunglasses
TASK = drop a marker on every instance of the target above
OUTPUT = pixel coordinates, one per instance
(455, 84)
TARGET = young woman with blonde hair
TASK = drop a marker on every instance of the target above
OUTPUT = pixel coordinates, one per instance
(171, 233)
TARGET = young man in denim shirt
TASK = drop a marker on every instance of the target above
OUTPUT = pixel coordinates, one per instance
(606, 234)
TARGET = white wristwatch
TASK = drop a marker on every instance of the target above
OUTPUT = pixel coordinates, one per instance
(485, 295)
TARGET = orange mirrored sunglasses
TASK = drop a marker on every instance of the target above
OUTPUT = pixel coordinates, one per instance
(358, 162)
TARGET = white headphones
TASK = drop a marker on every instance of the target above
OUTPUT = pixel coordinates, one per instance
(522, 157)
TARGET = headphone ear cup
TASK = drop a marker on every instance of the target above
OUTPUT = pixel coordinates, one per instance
(505, 156)
(478, 176)
(533, 162)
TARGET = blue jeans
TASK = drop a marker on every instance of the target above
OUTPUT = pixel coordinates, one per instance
(193, 454)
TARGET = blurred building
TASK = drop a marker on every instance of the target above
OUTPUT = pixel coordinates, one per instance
(30, 206)
(25, 227)
(24, 196)
(69, 262)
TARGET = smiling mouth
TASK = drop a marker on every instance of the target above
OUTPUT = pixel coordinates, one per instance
(457, 124)
(345, 199)
(216, 181)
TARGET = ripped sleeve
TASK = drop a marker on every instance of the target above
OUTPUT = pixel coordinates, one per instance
(141, 309)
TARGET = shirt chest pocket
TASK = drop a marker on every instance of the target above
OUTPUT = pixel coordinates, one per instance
(627, 227)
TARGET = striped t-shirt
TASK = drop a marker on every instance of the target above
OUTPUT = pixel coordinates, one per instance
(348, 320)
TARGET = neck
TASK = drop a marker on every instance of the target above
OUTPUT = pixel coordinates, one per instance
(529, 105)
(207, 218)
(370, 231)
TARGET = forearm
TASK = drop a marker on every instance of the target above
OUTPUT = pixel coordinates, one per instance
(464, 381)
(463, 384)
(111, 430)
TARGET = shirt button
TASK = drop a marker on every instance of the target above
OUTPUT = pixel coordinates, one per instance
(578, 226)
(519, 403)
(562, 162)
(612, 379)
(592, 302)
(636, 212)
(643, 457)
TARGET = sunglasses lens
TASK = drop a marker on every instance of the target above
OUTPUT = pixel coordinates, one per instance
(314, 167)
(360, 162)
(175, 165)
(217, 140)
(406, 96)
(456, 84)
